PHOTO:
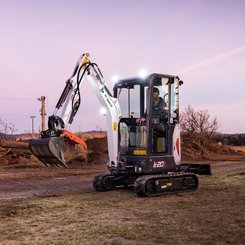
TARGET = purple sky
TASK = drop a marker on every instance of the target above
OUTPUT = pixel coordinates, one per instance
(202, 41)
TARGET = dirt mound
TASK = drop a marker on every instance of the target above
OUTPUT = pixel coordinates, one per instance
(97, 152)
(211, 151)
(20, 155)
(15, 152)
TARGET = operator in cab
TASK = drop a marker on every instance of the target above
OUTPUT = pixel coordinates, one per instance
(159, 118)
(158, 106)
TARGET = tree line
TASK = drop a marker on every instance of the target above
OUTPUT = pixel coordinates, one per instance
(200, 130)
(231, 139)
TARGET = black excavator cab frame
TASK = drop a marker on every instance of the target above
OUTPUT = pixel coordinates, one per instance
(145, 138)
(149, 140)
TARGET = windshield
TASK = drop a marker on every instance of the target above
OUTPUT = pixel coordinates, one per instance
(129, 100)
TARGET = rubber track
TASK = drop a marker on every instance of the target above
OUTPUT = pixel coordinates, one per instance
(98, 181)
(140, 184)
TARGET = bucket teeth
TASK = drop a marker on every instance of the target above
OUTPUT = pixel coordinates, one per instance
(50, 151)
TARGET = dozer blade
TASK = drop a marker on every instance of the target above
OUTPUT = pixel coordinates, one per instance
(49, 151)
(201, 169)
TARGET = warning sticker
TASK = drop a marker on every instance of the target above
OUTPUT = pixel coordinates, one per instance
(114, 127)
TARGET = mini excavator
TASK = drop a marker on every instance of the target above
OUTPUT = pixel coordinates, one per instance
(144, 145)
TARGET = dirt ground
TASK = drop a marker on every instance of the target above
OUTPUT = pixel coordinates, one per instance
(22, 177)
(50, 181)
(51, 205)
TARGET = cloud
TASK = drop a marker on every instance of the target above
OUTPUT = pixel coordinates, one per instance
(212, 60)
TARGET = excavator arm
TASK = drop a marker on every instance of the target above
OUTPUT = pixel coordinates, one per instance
(56, 140)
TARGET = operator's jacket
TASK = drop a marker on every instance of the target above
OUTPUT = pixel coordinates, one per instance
(158, 110)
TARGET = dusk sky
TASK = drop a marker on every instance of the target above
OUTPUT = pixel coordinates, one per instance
(201, 41)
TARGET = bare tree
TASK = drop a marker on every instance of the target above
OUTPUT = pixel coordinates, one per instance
(197, 126)
(7, 127)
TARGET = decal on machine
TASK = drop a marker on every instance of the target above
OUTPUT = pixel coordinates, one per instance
(178, 145)
(114, 126)
(159, 164)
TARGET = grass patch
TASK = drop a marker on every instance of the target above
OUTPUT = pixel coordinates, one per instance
(212, 215)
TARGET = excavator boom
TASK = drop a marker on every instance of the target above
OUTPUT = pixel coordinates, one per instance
(57, 142)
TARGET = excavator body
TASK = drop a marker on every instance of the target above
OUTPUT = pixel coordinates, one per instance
(143, 132)
(149, 142)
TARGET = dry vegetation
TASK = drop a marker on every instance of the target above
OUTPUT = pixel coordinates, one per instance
(194, 150)
(211, 215)
(14, 152)
(238, 148)
(198, 133)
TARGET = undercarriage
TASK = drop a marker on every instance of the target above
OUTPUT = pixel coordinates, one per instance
(148, 185)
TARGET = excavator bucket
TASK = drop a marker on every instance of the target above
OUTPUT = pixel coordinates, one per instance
(49, 151)
(57, 150)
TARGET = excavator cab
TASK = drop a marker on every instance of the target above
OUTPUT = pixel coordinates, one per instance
(149, 133)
